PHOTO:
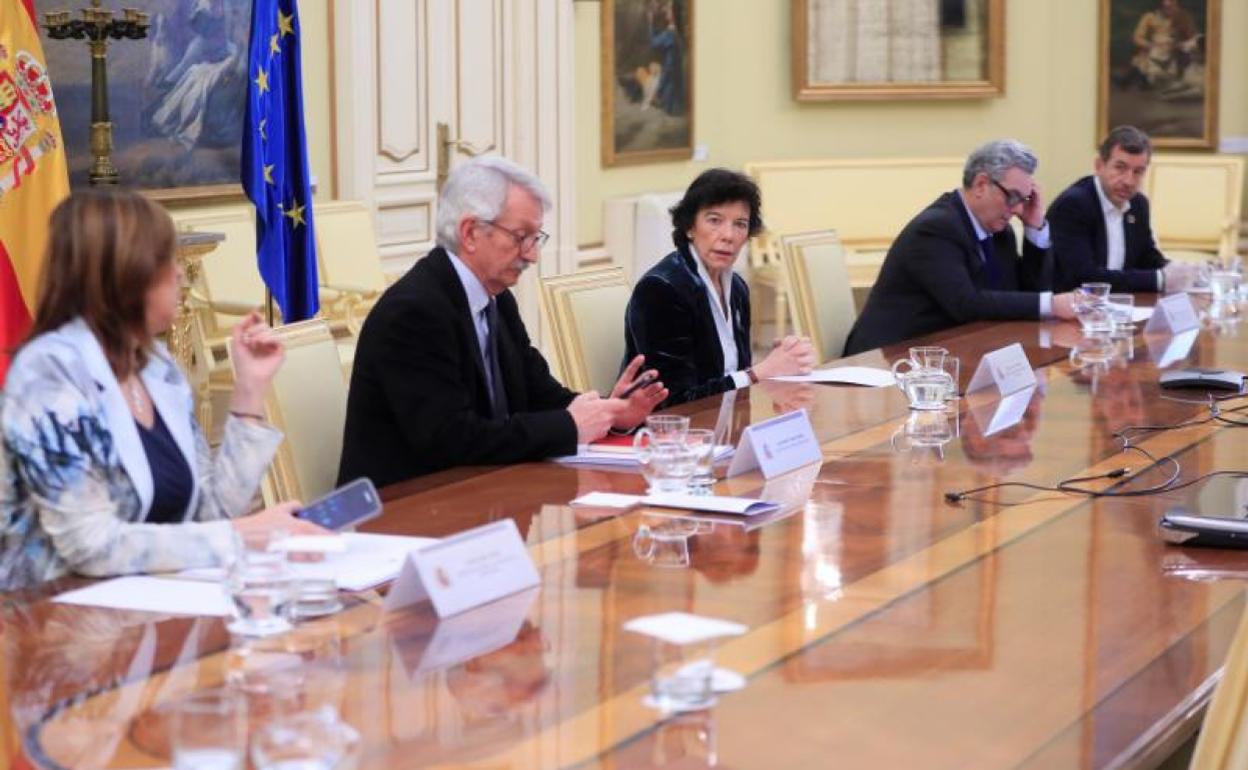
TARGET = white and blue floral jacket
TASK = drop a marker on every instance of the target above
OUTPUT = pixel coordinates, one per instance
(75, 486)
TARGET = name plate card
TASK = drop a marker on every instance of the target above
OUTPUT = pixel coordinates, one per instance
(1007, 368)
(776, 446)
(465, 571)
(1173, 314)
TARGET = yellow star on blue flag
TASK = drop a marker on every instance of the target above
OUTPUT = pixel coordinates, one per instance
(275, 160)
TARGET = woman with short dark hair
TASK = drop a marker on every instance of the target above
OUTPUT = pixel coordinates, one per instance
(103, 469)
(690, 314)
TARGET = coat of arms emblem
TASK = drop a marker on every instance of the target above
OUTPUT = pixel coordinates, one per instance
(25, 96)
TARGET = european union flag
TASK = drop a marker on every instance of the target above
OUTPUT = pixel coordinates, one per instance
(275, 160)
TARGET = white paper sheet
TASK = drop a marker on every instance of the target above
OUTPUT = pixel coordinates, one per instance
(683, 627)
(608, 500)
(368, 560)
(153, 594)
(847, 375)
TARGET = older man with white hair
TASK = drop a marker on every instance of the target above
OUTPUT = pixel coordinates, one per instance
(958, 260)
(445, 374)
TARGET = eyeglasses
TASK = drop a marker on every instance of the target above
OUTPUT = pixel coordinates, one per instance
(1012, 197)
(523, 242)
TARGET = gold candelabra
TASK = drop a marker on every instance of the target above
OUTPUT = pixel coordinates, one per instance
(96, 26)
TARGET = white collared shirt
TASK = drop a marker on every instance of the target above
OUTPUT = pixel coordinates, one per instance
(478, 302)
(723, 322)
(1039, 237)
(1115, 238)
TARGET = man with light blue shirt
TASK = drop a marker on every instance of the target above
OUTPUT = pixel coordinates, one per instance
(958, 260)
(444, 372)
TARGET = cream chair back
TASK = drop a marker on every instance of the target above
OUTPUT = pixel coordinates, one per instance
(347, 247)
(818, 281)
(229, 276)
(1196, 202)
(308, 403)
(586, 315)
(1223, 741)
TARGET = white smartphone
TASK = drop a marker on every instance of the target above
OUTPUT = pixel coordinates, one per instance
(349, 504)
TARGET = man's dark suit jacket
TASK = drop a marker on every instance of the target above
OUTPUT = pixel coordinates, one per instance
(1079, 244)
(934, 278)
(669, 319)
(418, 401)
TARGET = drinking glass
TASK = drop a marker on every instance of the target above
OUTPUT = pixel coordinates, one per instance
(662, 429)
(313, 740)
(1091, 308)
(259, 585)
(667, 467)
(1096, 289)
(701, 442)
(1223, 285)
(209, 731)
(1121, 306)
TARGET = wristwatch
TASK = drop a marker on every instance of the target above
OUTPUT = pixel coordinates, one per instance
(749, 372)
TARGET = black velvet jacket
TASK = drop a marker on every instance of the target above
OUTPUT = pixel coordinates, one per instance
(669, 320)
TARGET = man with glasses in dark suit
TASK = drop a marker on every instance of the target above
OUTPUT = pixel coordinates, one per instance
(958, 260)
(444, 372)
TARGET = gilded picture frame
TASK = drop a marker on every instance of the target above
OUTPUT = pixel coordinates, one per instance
(176, 99)
(846, 50)
(647, 81)
(1159, 63)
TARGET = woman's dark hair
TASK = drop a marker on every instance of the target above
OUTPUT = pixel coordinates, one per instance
(106, 247)
(711, 188)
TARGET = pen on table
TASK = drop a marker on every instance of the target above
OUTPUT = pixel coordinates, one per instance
(639, 383)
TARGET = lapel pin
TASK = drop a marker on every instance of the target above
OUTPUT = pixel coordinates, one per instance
(1130, 219)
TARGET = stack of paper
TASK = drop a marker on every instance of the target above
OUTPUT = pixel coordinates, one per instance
(741, 506)
(586, 455)
(845, 375)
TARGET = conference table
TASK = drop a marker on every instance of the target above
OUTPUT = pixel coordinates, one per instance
(887, 626)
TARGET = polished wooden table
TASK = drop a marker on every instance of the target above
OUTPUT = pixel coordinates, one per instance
(888, 627)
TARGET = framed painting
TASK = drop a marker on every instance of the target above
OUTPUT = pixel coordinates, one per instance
(1159, 64)
(176, 98)
(904, 49)
(647, 81)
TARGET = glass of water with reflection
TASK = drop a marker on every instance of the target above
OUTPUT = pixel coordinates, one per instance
(701, 442)
(259, 585)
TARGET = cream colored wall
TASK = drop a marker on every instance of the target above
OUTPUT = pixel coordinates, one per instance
(744, 110)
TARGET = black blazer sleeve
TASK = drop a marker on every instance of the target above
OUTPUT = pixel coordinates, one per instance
(421, 367)
(660, 323)
(939, 265)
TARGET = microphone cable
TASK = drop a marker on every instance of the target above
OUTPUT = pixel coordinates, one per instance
(1126, 435)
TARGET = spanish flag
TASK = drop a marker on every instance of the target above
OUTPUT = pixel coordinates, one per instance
(33, 175)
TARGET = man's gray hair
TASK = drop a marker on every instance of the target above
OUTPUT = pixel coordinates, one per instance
(997, 157)
(478, 189)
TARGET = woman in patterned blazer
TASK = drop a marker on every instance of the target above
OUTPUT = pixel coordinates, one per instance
(103, 469)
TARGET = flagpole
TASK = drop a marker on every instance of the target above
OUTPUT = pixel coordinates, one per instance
(268, 305)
